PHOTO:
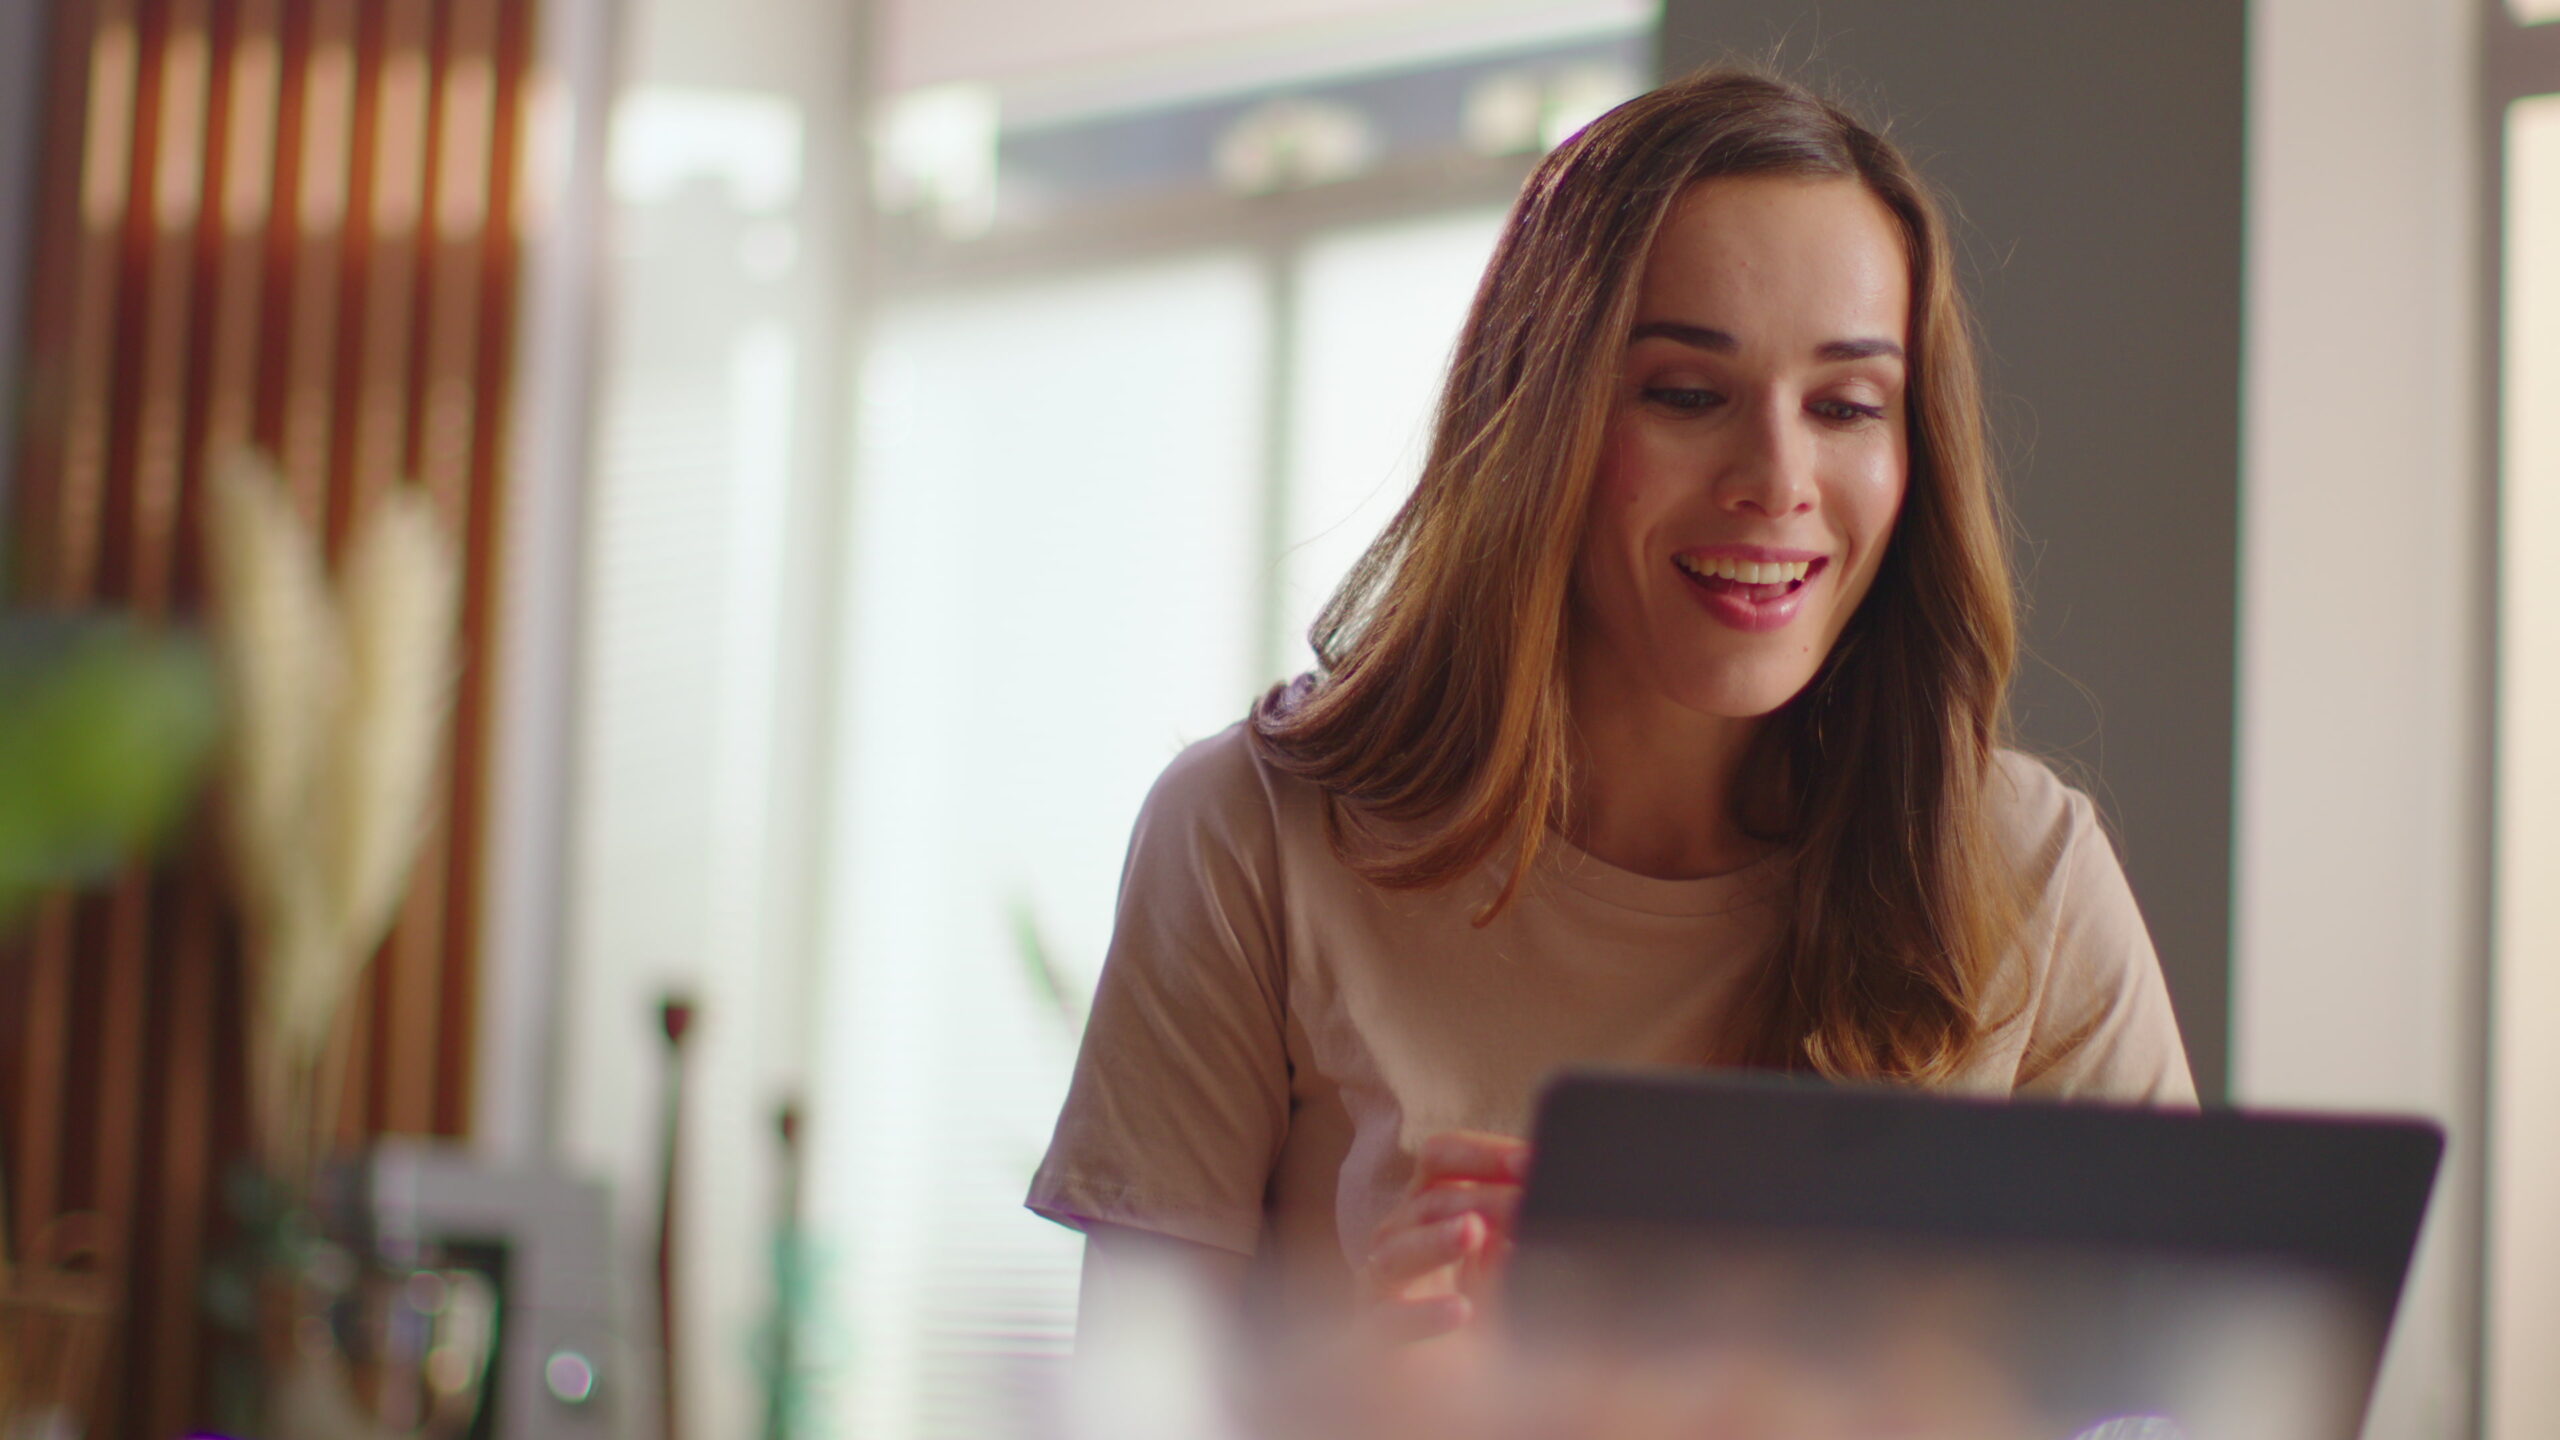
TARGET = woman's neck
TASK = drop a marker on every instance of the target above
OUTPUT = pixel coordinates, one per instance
(1653, 781)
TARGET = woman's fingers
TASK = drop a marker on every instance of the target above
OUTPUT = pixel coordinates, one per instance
(1465, 1197)
(1471, 1155)
(1395, 1322)
(1498, 1204)
(1408, 1253)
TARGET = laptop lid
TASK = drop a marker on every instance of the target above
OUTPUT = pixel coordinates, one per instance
(2218, 1272)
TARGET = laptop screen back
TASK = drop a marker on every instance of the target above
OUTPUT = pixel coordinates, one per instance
(1971, 1267)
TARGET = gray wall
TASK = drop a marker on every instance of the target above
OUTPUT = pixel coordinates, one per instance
(22, 47)
(2094, 154)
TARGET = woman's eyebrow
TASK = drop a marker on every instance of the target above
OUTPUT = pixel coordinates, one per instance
(1697, 337)
(1857, 349)
(1700, 337)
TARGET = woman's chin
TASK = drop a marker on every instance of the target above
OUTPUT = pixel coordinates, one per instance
(1742, 692)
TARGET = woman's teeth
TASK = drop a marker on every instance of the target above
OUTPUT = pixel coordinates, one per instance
(1745, 572)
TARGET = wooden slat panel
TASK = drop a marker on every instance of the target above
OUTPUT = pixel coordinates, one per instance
(81, 1132)
(94, 1117)
(324, 156)
(105, 161)
(164, 185)
(285, 221)
(237, 110)
(118, 1083)
(166, 1315)
(407, 1020)
(244, 146)
(436, 957)
(171, 176)
(409, 1017)
(283, 237)
(52, 308)
(395, 140)
(71, 332)
(40, 960)
(501, 269)
(466, 119)
(44, 1039)
(349, 492)
(443, 436)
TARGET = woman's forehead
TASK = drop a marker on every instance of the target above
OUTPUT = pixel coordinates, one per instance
(1779, 262)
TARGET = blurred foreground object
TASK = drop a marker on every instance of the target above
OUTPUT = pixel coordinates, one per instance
(55, 1312)
(1712, 1253)
(1781, 1342)
(338, 707)
(1773, 1346)
(1162, 1369)
(104, 725)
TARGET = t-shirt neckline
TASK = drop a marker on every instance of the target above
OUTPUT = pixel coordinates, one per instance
(1579, 869)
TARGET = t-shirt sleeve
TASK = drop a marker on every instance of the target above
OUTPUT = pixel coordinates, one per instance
(2102, 1027)
(1180, 1098)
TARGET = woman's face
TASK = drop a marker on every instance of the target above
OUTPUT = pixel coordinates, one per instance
(1757, 448)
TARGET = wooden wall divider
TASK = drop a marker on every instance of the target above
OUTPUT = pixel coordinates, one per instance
(291, 223)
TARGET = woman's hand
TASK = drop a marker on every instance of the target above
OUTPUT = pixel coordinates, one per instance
(1432, 1263)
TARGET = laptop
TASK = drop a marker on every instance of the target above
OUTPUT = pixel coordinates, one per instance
(1968, 1266)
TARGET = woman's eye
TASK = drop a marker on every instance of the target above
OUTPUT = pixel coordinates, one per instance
(1682, 399)
(1847, 412)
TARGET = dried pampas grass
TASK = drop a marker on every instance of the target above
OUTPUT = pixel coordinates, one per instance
(338, 709)
(399, 601)
(283, 662)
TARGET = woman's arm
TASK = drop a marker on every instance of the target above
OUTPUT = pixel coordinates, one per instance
(2102, 1028)
(1427, 1271)
(1129, 1273)
(1179, 1104)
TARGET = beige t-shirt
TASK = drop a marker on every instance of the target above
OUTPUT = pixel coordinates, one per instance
(1274, 1036)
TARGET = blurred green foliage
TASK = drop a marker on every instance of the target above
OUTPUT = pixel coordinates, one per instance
(105, 726)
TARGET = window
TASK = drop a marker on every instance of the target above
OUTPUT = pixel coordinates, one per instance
(1139, 388)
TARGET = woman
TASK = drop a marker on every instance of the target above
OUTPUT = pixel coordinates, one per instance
(1660, 726)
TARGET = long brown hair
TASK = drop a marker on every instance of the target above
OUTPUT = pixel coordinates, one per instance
(1439, 700)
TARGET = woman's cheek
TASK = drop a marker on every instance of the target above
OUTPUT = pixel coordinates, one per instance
(1873, 498)
(1620, 467)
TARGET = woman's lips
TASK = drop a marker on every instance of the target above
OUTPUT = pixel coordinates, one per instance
(1754, 609)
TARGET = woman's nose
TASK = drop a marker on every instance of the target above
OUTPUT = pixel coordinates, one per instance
(1770, 469)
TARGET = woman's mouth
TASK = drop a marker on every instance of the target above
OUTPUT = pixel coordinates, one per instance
(1750, 595)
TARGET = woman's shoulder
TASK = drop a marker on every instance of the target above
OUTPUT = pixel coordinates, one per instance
(1222, 838)
(1233, 774)
(2039, 817)
(2097, 1021)
(1216, 781)
(1222, 788)
(1210, 771)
